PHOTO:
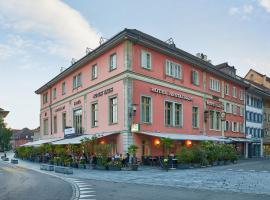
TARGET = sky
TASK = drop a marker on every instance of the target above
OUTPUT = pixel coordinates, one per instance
(38, 37)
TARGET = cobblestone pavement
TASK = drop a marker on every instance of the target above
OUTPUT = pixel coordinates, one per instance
(233, 178)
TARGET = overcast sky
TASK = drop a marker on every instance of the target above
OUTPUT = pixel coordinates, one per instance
(38, 37)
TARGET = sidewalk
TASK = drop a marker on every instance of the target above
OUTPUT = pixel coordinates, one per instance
(204, 178)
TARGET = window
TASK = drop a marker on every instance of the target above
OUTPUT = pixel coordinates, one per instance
(77, 80)
(77, 121)
(195, 117)
(55, 124)
(173, 114)
(173, 69)
(241, 94)
(235, 127)
(45, 98)
(227, 89)
(63, 88)
(227, 126)
(228, 108)
(215, 120)
(146, 61)
(247, 115)
(234, 92)
(168, 113)
(264, 117)
(45, 126)
(234, 109)
(194, 77)
(113, 110)
(241, 128)
(146, 109)
(94, 71)
(54, 93)
(64, 121)
(242, 110)
(248, 100)
(214, 85)
(94, 115)
(178, 114)
(112, 61)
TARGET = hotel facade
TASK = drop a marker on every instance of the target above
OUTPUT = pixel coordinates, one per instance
(134, 89)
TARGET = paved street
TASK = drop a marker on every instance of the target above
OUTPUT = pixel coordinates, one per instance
(246, 180)
(17, 183)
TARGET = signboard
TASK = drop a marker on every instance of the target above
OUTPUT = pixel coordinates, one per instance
(69, 131)
(99, 94)
(135, 127)
(77, 102)
(215, 105)
(60, 109)
(172, 94)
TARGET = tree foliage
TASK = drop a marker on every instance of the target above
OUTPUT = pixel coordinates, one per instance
(5, 136)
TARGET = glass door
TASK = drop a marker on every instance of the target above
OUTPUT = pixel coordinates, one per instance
(77, 121)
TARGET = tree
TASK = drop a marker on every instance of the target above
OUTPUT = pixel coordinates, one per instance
(5, 136)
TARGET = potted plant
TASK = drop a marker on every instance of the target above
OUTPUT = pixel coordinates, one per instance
(132, 149)
(114, 165)
(185, 157)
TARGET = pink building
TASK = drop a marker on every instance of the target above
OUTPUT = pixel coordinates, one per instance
(134, 89)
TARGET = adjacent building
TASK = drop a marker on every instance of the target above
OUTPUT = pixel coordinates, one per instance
(134, 89)
(21, 137)
(3, 113)
(262, 82)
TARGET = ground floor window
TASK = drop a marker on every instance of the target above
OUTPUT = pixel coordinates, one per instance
(45, 126)
(77, 121)
(215, 120)
(146, 149)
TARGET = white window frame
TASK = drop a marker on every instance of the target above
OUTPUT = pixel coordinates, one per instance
(195, 81)
(227, 89)
(113, 120)
(46, 126)
(63, 88)
(151, 110)
(54, 93)
(242, 95)
(77, 80)
(198, 117)
(173, 114)
(113, 61)
(55, 127)
(94, 114)
(144, 60)
(173, 69)
(214, 84)
(215, 120)
(94, 71)
(234, 92)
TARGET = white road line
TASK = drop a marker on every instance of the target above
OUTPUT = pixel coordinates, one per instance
(84, 185)
(85, 192)
(252, 170)
(239, 170)
(229, 169)
(264, 171)
(87, 195)
(81, 189)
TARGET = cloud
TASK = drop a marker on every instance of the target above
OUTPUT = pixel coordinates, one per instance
(247, 9)
(64, 30)
(242, 11)
(265, 4)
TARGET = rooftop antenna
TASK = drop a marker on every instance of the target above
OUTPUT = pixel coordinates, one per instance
(88, 50)
(102, 40)
(170, 42)
(73, 60)
(62, 69)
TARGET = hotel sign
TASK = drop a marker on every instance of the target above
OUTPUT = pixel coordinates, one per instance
(172, 94)
(60, 109)
(215, 105)
(99, 94)
(77, 102)
(135, 127)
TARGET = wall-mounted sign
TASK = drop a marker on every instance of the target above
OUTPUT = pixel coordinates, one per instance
(99, 94)
(69, 131)
(60, 109)
(215, 105)
(172, 94)
(77, 102)
(135, 127)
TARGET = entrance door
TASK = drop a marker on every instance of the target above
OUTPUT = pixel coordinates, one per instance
(77, 121)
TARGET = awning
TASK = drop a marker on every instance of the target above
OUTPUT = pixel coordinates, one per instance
(39, 142)
(179, 136)
(77, 140)
(247, 140)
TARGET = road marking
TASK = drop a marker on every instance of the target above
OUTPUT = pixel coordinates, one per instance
(229, 169)
(87, 195)
(252, 170)
(85, 192)
(239, 170)
(264, 171)
(81, 189)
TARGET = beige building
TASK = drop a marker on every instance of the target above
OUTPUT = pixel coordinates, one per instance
(263, 82)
